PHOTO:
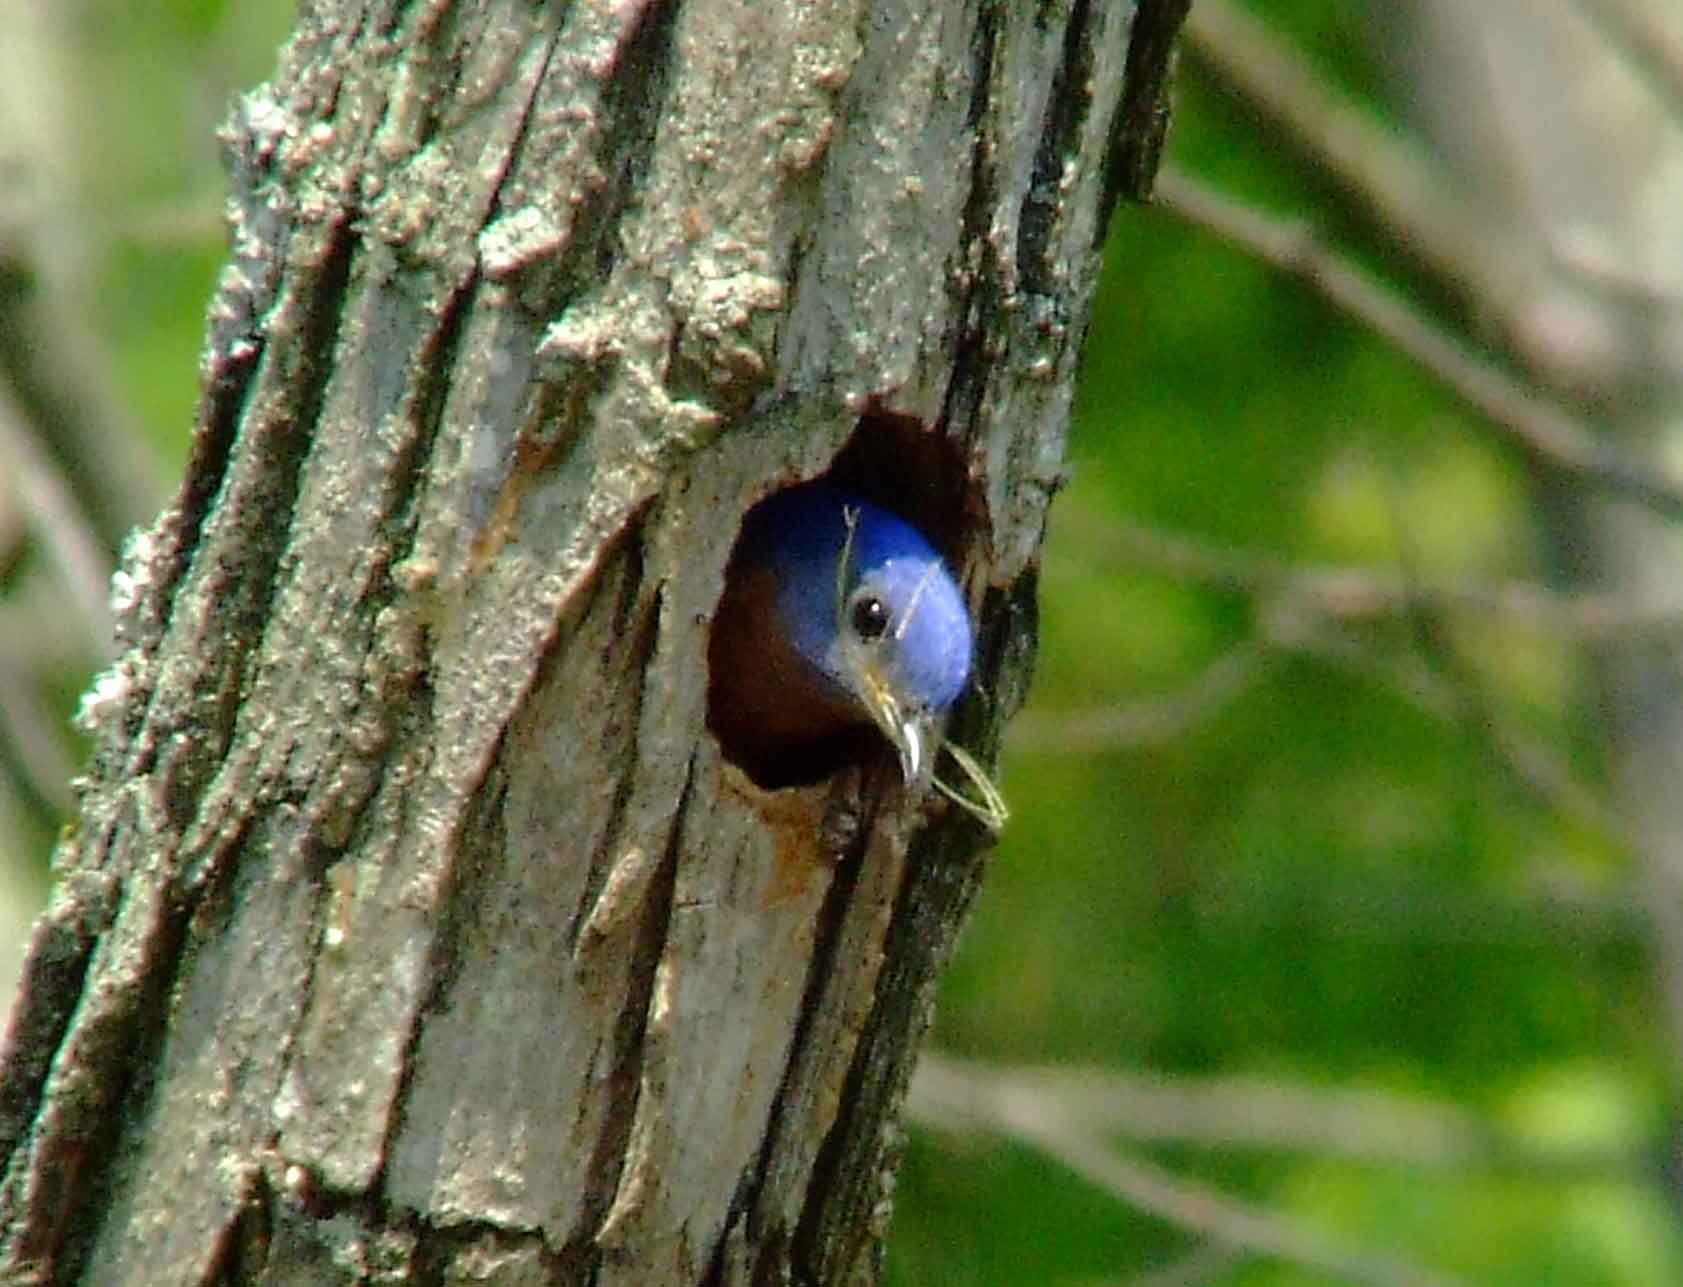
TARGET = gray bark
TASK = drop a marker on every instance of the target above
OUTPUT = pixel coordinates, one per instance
(414, 928)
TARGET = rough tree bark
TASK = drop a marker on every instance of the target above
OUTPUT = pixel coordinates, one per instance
(414, 927)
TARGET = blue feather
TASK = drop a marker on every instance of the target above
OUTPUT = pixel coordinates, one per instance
(838, 612)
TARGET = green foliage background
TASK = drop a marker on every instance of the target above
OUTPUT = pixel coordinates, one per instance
(1321, 881)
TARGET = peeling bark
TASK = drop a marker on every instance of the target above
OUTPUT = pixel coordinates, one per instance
(414, 928)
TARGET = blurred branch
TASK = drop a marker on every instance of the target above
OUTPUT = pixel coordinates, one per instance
(1538, 426)
(1200, 1267)
(1238, 1112)
(1396, 185)
(956, 1096)
(64, 531)
(1304, 611)
(1450, 693)
(1146, 720)
(14, 534)
(1637, 29)
(51, 357)
(1158, 718)
(1560, 913)
(1660, 852)
(35, 756)
(1350, 593)
(1533, 764)
(171, 227)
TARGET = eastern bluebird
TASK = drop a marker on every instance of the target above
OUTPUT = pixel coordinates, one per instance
(837, 616)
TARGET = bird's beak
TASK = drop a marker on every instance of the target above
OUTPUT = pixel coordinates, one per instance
(909, 732)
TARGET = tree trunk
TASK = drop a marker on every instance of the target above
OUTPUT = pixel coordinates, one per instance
(414, 927)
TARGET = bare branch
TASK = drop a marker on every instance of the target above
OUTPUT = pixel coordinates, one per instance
(1393, 181)
(61, 370)
(38, 759)
(1536, 425)
(1145, 721)
(1351, 593)
(64, 530)
(957, 1097)
(1642, 35)
(1306, 612)
(1240, 1112)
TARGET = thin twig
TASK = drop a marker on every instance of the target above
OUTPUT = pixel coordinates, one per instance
(64, 531)
(1542, 771)
(1306, 612)
(1240, 1112)
(29, 739)
(1351, 593)
(1539, 427)
(48, 252)
(1144, 721)
(958, 1096)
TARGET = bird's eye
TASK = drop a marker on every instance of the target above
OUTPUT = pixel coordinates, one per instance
(869, 615)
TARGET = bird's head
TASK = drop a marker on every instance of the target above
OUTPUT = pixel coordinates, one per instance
(902, 649)
(870, 607)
